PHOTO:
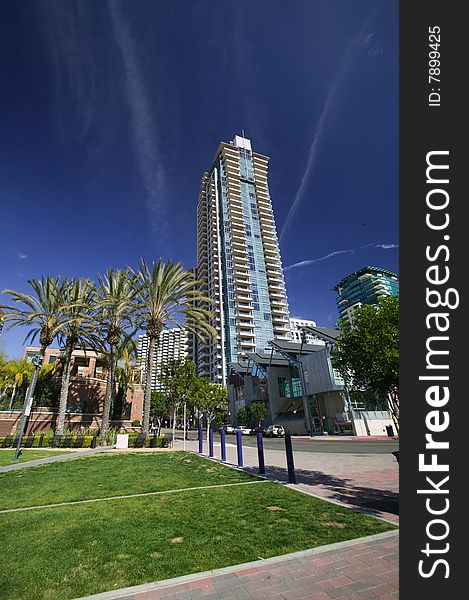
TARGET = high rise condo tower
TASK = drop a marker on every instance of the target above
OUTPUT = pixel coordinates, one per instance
(238, 259)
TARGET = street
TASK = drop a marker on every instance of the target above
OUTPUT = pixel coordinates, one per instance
(334, 446)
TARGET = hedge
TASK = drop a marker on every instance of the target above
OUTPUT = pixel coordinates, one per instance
(161, 441)
(44, 441)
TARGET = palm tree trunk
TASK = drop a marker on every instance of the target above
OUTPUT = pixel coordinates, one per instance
(12, 399)
(64, 388)
(109, 394)
(148, 378)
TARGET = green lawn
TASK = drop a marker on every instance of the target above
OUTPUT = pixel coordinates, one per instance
(6, 456)
(67, 552)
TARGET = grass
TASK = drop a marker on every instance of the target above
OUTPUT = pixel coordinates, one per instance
(107, 475)
(6, 456)
(67, 552)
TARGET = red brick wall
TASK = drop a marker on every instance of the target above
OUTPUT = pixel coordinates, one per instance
(86, 401)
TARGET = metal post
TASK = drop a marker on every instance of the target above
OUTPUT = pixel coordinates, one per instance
(154, 439)
(239, 447)
(222, 444)
(41, 440)
(184, 419)
(201, 433)
(260, 453)
(210, 441)
(93, 441)
(290, 463)
(37, 362)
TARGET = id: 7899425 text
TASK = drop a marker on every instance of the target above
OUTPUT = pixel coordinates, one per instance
(434, 70)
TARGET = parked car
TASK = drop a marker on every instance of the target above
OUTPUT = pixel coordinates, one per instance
(275, 431)
(244, 430)
(256, 430)
(229, 428)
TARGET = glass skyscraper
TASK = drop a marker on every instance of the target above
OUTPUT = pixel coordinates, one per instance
(238, 259)
(364, 286)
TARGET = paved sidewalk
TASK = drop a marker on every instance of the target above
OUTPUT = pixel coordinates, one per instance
(369, 482)
(72, 454)
(365, 569)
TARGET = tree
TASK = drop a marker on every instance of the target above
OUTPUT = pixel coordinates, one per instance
(367, 352)
(126, 355)
(179, 381)
(16, 373)
(47, 391)
(244, 414)
(210, 398)
(258, 412)
(43, 312)
(79, 296)
(160, 405)
(115, 309)
(167, 292)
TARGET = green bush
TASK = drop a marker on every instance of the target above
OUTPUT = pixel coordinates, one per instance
(136, 423)
(161, 441)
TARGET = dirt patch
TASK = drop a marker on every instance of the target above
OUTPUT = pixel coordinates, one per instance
(333, 524)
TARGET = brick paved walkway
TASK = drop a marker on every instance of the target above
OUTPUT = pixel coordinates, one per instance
(369, 482)
(364, 569)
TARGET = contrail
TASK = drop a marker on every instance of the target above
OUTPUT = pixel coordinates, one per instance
(306, 263)
(145, 146)
(322, 119)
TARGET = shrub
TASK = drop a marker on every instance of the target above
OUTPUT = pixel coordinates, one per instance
(136, 423)
(161, 441)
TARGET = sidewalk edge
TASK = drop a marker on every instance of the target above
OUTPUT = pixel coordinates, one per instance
(165, 583)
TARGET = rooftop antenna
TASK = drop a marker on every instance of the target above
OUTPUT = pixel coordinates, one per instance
(242, 132)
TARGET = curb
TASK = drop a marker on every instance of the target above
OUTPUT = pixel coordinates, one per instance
(165, 583)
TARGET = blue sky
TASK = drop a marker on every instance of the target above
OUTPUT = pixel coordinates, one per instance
(111, 111)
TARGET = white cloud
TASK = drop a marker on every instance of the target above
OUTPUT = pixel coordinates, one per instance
(311, 261)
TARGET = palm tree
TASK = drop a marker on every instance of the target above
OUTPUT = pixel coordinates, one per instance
(43, 312)
(17, 373)
(115, 309)
(79, 296)
(166, 293)
(126, 355)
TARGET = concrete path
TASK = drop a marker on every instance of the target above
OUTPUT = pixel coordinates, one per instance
(365, 569)
(369, 482)
(58, 458)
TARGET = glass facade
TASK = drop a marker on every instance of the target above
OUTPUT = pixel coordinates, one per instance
(238, 260)
(365, 286)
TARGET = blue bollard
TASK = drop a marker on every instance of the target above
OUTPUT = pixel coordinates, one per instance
(210, 442)
(290, 464)
(222, 444)
(239, 447)
(260, 453)
(201, 440)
